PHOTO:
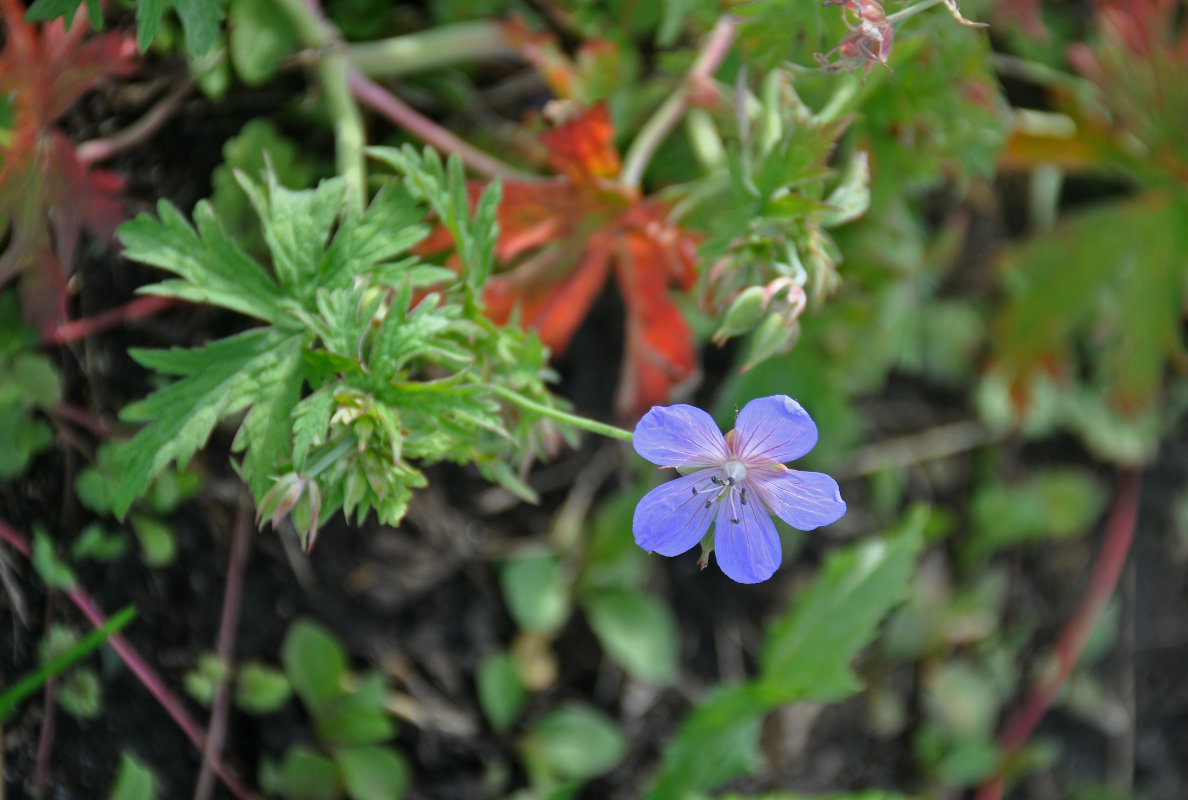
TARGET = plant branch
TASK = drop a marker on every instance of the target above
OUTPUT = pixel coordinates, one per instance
(426, 50)
(1110, 561)
(88, 326)
(241, 538)
(141, 669)
(573, 420)
(388, 105)
(96, 150)
(657, 128)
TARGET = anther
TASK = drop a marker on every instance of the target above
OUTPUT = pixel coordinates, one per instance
(743, 495)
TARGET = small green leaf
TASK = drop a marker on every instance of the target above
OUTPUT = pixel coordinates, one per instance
(202, 681)
(157, 544)
(500, 690)
(200, 19)
(134, 781)
(80, 695)
(55, 572)
(638, 631)
(261, 689)
(96, 543)
(261, 37)
(372, 773)
(308, 775)
(315, 663)
(536, 592)
(359, 717)
(47, 10)
(576, 742)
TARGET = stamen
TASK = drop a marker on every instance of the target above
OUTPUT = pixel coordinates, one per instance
(743, 495)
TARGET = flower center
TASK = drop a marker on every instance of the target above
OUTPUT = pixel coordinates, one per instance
(734, 471)
(729, 487)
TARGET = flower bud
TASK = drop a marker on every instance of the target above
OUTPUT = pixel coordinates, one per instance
(744, 313)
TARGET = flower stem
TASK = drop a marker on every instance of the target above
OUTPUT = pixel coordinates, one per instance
(333, 70)
(657, 128)
(95, 150)
(437, 47)
(379, 99)
(601, 428)
(1110, 560)
(241, 537)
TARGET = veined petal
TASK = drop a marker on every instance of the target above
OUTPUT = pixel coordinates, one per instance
(748, 550)
(671, 518)
(805, 500)
(680, 436)
(773, 428)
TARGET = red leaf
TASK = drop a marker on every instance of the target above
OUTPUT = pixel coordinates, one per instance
(47, 195)
(559, 240)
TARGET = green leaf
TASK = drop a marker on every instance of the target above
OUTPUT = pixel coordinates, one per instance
(307, 775)
(157, 543)
(212, 267)
(34, 378)
(806, 656)
(20, 439)
(718, 741)
(372, 773)
(96, 543)
(48, 10)
(261, 37)
(808, 651)
(392, 225)
(501, 690)
(638, 631)
(54, 571)
(575, 742)
(1053, 504)
(315, 663)
(134, 781)
(219, 380)
(297, 226)
(80, 695)
(359, 717)
(202, 681)
(267, 427)
(536, 592)
(261, 689)
(13, 695)
(148, 21)
(200, 19)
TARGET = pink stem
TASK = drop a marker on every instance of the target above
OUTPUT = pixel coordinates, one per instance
(136, 309)
(82, 418)
(379, 99)
(141, 669)
(228, 627)
(1110, 561)
(96, 150)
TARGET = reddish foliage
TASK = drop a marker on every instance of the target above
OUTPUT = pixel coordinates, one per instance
(47, 195)
(559, 240)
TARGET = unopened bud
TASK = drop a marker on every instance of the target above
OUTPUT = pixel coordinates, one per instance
(775, 335)
(744, 314)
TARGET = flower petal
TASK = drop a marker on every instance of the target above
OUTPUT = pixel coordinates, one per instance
(805, 500)
(749, 549)
(680, 436)
(671, 518)
(773, 428)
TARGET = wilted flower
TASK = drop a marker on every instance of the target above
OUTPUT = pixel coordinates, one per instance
(867, 43)
(737, 480)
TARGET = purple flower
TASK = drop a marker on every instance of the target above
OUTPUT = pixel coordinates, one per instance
(738, 479)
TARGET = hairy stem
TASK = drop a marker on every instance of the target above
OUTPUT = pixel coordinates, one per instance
(1110, 561)
(141, 669)
(426, 50)
(399, 113)
(95, 150)
(573, 420)
(241, 537)
(88, 326)
(657, 128)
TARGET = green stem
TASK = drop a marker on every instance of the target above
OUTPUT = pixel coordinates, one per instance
(601, 428)
(437, 47)
(657, 128)
(333, 70)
